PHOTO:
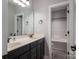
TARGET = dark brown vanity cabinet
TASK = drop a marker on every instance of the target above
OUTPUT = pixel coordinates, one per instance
(34, 50)
(25, 56)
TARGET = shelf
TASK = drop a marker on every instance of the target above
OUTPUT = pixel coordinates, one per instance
(59, 18)
(59, 51)
(60, 40)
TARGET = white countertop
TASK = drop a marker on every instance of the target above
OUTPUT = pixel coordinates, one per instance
(19, 42)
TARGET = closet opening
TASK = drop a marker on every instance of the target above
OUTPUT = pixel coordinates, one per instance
(59, 25)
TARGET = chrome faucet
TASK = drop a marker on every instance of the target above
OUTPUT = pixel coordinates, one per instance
(13, 38)
(31, 35)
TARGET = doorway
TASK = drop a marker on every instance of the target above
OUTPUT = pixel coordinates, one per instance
(59, 36)
(19, 24)
(61, 33)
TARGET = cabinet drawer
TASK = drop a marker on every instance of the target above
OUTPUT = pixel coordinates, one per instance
(18, 51)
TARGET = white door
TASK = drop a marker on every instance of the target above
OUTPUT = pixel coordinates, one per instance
(19, 25)
(71, 45)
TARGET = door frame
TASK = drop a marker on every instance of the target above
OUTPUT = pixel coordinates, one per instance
(70, 3)
(15, 28)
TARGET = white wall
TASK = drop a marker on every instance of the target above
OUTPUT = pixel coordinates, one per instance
(4, 26)
(11, 18)
(41, 11)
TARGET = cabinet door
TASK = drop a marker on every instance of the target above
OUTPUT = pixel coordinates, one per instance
(33, 53)
(25, 56)
(38, 52)
(17, 52)
(42, 49)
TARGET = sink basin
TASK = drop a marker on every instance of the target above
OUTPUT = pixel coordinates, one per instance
(10, 45)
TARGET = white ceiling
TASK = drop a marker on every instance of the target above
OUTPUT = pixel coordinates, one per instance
(11, 2)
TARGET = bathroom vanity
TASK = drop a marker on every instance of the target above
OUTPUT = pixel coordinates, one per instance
(26, 48)
(34, 50)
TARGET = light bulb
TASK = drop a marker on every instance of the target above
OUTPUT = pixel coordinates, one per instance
(21, 4)
(15, 1)
(27, 3)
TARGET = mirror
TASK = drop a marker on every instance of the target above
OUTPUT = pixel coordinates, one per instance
(20, 17)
